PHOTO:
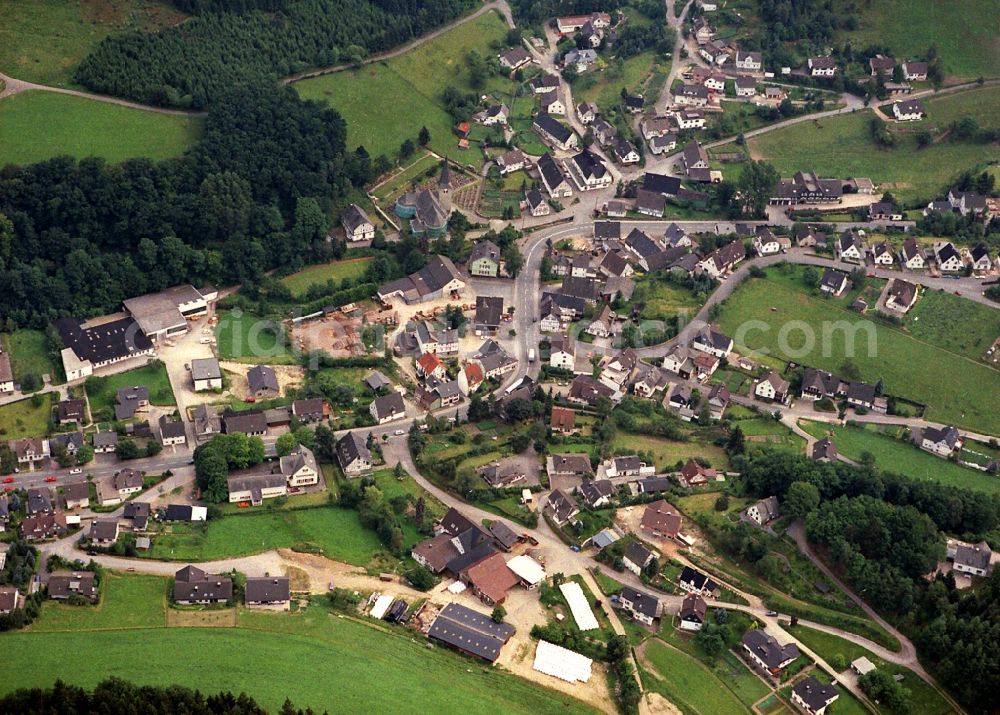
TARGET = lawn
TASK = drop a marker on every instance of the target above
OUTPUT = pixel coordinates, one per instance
(337, 271)
(44, 40)
(249, 338)
(924, 699)
(35, 126)
(667, 452)
(892, 455)
(29, 417)
(102, 390)
(982, 103)
(662, 300)
(402, 180)
(344, 676)
(368, 97)
(965, 32)
(775, 314)
(604, 87)
(953, 323)
(337, 532)
(29, 353)
(841, 146)
(126, 602)
(685, 681)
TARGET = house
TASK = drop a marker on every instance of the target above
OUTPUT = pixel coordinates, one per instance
(824, 450)
(966, 202)
(585, 390)
(206, 374)
(489, 314)
(270, 592)
(536, 203)
(915, 71)
(562, 354)
(715, 52)
(249, 422)
(127, 482)
(7, 378)
(262, 382)
(812, 696)
(711, 341)
(973, 559)
(10, 597)
(207, 423)
(634, 104)
(901, 295)
(30, 449)
(495, 114)
(43, 526)
(766, 653)
(910, 255)
(310, 410)
(821, 66)
(194, 586)
(860, 394)
(615, 265)
(722, 260)
(491, 579)
(980, 257)
(775, 94)
(587, 112)
(172, 432)
(693, 474)
(850, 247)
(662, 144)
(511, 161)
(76, 495)
(438, 279)
(909, 110)
(67, 443)
(882, 254)
(103, 532)
(596, 493)
(130, 400)
(766, 243)
(746, 86)
(943, 440)
(91, 347)
(881, 65)
(643, 607)
(588, 171)
(637, 557)
(562, 420)
(484, 260)
(582, 60)
(569, 465)
(501, 476)
(749, 61)
(432, 340)
(549, 103)
(718, 401)
(694, 581)
(357, 225)
(763, 512)
(806, 187)
(650, 203)
(561, 507)
(544, 83)
(353, 455)
(661, 520)
(299, 468)
(809, 237)
(514, 59)
(833, 283)
(692, 95)
(692, 612)
(388, 408)
(772, 387)
(65, 584)
(656, 127)
(948, 258)
(136, 513)
(702, 30)
(625, 152)
(604, 132)
(554, 177)
(66, 410)
(601, 325)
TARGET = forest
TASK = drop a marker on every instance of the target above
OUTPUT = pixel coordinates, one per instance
(883, 533)
(77, 237)
(230, 42)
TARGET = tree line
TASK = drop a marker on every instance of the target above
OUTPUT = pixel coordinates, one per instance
(232, 42)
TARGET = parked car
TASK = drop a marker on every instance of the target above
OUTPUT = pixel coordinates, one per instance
(51, 478)
(78, 470)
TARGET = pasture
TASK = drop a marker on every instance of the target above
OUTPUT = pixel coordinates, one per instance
(841, 146)
(350, 269)
(44, 40)
(683, 680)
(29, 353)
(387, 102)
(982, 103)
(35, 126)
(29, 417)
(953, 323)
(783, 313)
(134, 601)
(249, 338)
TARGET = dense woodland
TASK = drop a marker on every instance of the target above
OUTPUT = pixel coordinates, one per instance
(883, 532)
(191, 64)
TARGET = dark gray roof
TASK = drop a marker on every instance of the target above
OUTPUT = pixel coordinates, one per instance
(193, 584)
(353, 217)
(248, 422)
(391, 404)
(592, 491)
(262, 377)
(642, 602)
(489, 310)
(76, 491)
(485, 249)
(470, 631)
(814, 693)
(693, 608)
(833, 279)
(205, 369)
(66, 439)
(975, 556)
(171, 429)
(696, 579)
(311, 408)
(765, 647)
(590, 165)
(562, 505)
(138, 512)
(638, 554)
(506, 536)
(267, 589)
(39, 501)
(550, 171)
(552, 127)
(101, 343)
(103, 529)
(351, 447)
(661, 183)
(63, 584)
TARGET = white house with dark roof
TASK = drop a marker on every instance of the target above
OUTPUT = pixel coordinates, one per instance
(821, 66)
(514, 58)
(833, 282)
(554, 178)
(713, 342)
(387, 408)
(749, 61)
(909, 110)
(850, 247)
(763, 511)
(357, 225)
(643, 607)
(812, 696)
(911, 256)
(972, 559)
(949, 260)
(942, 441)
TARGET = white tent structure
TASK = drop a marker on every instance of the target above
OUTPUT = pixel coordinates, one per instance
(580, 607)
(381, 606)
(561, 663)
(527, 569)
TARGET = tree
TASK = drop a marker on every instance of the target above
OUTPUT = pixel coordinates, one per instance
(84, 454)
(406, 149)
(735, 443)
(810, 277)
(210, 472)
(285, 444)
(153, 448)
(513, 260)
(424, 137)
(722, 502)
(127, 449)
(880, 686)
(801, 499)
(756, 187)
(499, 613)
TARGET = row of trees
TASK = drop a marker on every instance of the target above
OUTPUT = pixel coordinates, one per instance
(192, 64)
(214, 459)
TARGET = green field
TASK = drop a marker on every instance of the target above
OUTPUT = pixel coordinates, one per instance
(43, 40)
(965, 32)
(924, 699)
(249, 338)
(29, 353)
(667, 452)
(910, 368)
(350, 269)
(982, 103)
(662, 300)
(604, 87)
(402, 180)
(685, 681)
(387, 102)
(101, 391)
(892, 455)
(35, 126)
(337, 532)
(953, 323)
(347, 663)
(126, 602)
(841, 146)
(26, 419)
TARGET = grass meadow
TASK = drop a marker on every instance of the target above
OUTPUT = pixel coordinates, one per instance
(29, 352)
(102, 390)
(350, 269)
(29, 417)
(248, 338)
(684, 681)
(36, 125)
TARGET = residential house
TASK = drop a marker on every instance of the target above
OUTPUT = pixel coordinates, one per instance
(663, 144)
(66, 443)
(388, 408)
(582, 60)
(262, 382)
(634, 104)
(807, 188)
(252, 423)
(103, 532)
(39, 502)
(764, 511)
(205, 374)
(489, 314)
(692, 95)
(882, 254)
(661, 520)
(172, 431)
(650, 203)
(604, 132)
(909, 110)
(615, 265)
(702, 30)
(562, 354)
(572, 465)
(860, 394)
(881, 65)
(749, 61)
(299, 468)
(310, 410)
(637, 557)
(821, 66)
(746, 86)
(915, 71)
(949, 260)
(43, 526)
(536, 203)
(64, 584)
(544, 83)
(850, 247)
(438, 279)
(722, 260)
(711, 341)
(493, 115)
(491, 579)
(587, 112)
(772, 387)
(718, 400)
(715, 52)
(76, 495)
(207, 423)
(7, 377)
(438, 341)
(613, 209)
(694, 474)
(766, 243)
(511, 161)
(501, 475)
(136, 513)
(656, 127)
(943, 440)
(10, 597)
(809, 237)
(562, 420)
(192, 586)
(30, 449)
(812, 696)
(643, 607)
(493, 360)
(514, 58)
(596, 493)
(966, 202)
(649, 380)
(766, 652)
(561, 507)
(270, 592)
(554, 177)
(602, 324)
(126, 482)
(625, 152)
(692, 612)
(834, 282)
(911, 256)
(824, 450)
(647, 251)
(484, 260)
(980, 257)
(357, 225)
(973, 559)
(66, 410)
(901, 295)
(588, 171)
(549, 103)
(694, 581)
